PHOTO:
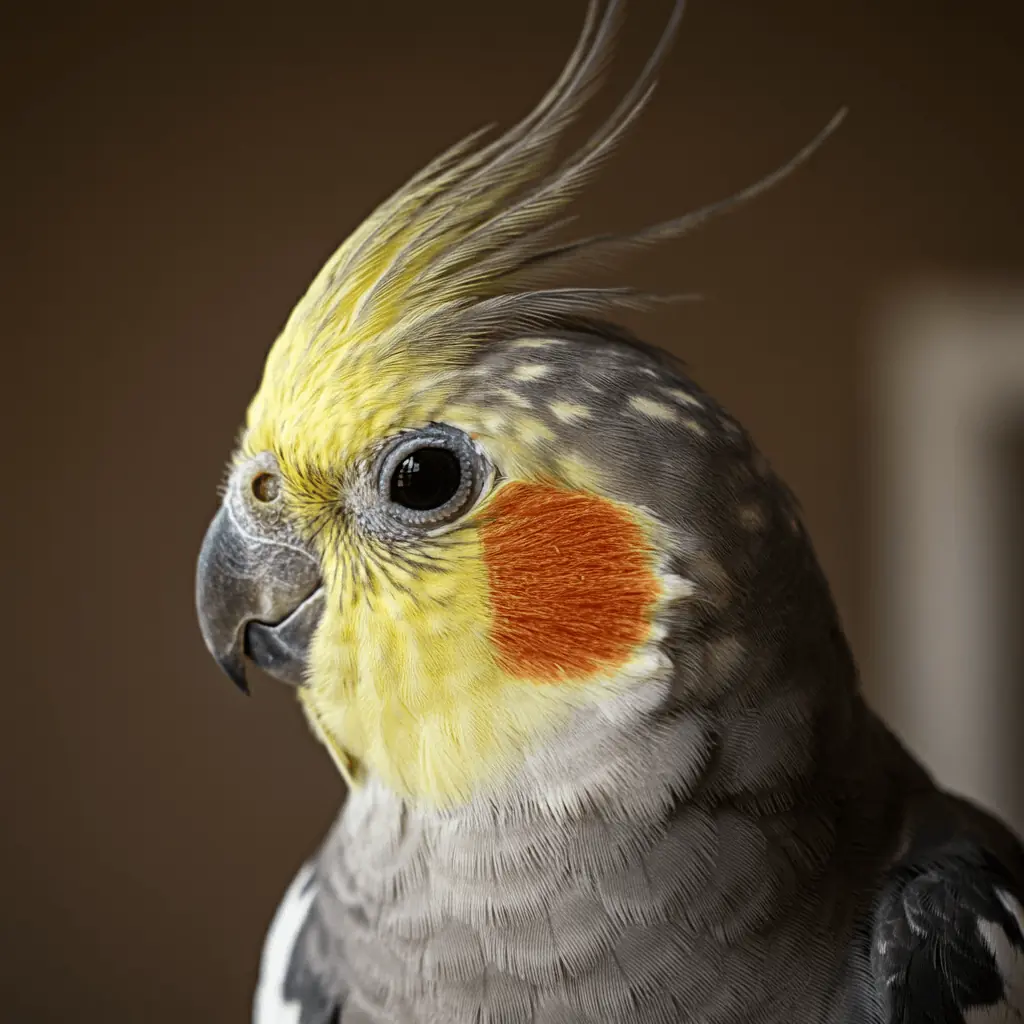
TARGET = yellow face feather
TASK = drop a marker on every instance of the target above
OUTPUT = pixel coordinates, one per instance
(406, 679)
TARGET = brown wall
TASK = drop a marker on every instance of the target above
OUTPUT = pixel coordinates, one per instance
(172, 179)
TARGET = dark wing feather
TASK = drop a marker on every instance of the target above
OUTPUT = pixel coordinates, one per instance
(949, 938)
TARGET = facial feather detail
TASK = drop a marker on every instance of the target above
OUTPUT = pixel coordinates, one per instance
(443, 656)
(444, 678)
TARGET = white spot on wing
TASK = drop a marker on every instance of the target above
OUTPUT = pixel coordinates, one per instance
(569, 412)
(531, 371)
(536, 342)
(1013, 907)
(650, 408)
(270, 1005)
(1010, 963)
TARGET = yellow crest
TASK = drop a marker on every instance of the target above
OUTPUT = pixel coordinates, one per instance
(453, 258)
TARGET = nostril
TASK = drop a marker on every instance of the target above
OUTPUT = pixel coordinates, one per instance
(266, 487)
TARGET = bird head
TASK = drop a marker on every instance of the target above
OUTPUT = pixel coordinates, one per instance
(465, 509)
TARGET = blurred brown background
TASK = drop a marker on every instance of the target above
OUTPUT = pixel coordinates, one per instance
(172, 178)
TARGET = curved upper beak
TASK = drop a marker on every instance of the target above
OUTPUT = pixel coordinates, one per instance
(258, 597)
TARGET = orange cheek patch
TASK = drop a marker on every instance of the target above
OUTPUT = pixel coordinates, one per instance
(571, 583)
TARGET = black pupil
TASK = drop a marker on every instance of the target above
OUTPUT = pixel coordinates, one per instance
(426, 479)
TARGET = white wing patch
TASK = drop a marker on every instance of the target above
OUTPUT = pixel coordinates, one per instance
(270, 1006)
(1009, 958)
(1013, 908)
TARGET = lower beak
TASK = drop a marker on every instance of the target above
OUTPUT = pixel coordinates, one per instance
(259, 598)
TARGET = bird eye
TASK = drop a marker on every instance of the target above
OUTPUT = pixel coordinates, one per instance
(426, 479)
(430, 477)
(265, 487)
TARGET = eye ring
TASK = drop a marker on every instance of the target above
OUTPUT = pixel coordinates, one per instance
(430, 477)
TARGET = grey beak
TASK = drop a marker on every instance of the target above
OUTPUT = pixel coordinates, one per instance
(258, 597)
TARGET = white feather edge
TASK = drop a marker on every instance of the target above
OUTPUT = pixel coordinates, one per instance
(269, 1005)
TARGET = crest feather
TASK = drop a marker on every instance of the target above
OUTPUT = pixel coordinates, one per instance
(455, 255)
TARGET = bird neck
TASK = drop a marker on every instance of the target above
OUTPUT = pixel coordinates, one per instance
(684, 836)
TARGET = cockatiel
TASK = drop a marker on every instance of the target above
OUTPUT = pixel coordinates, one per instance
(562, 631)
